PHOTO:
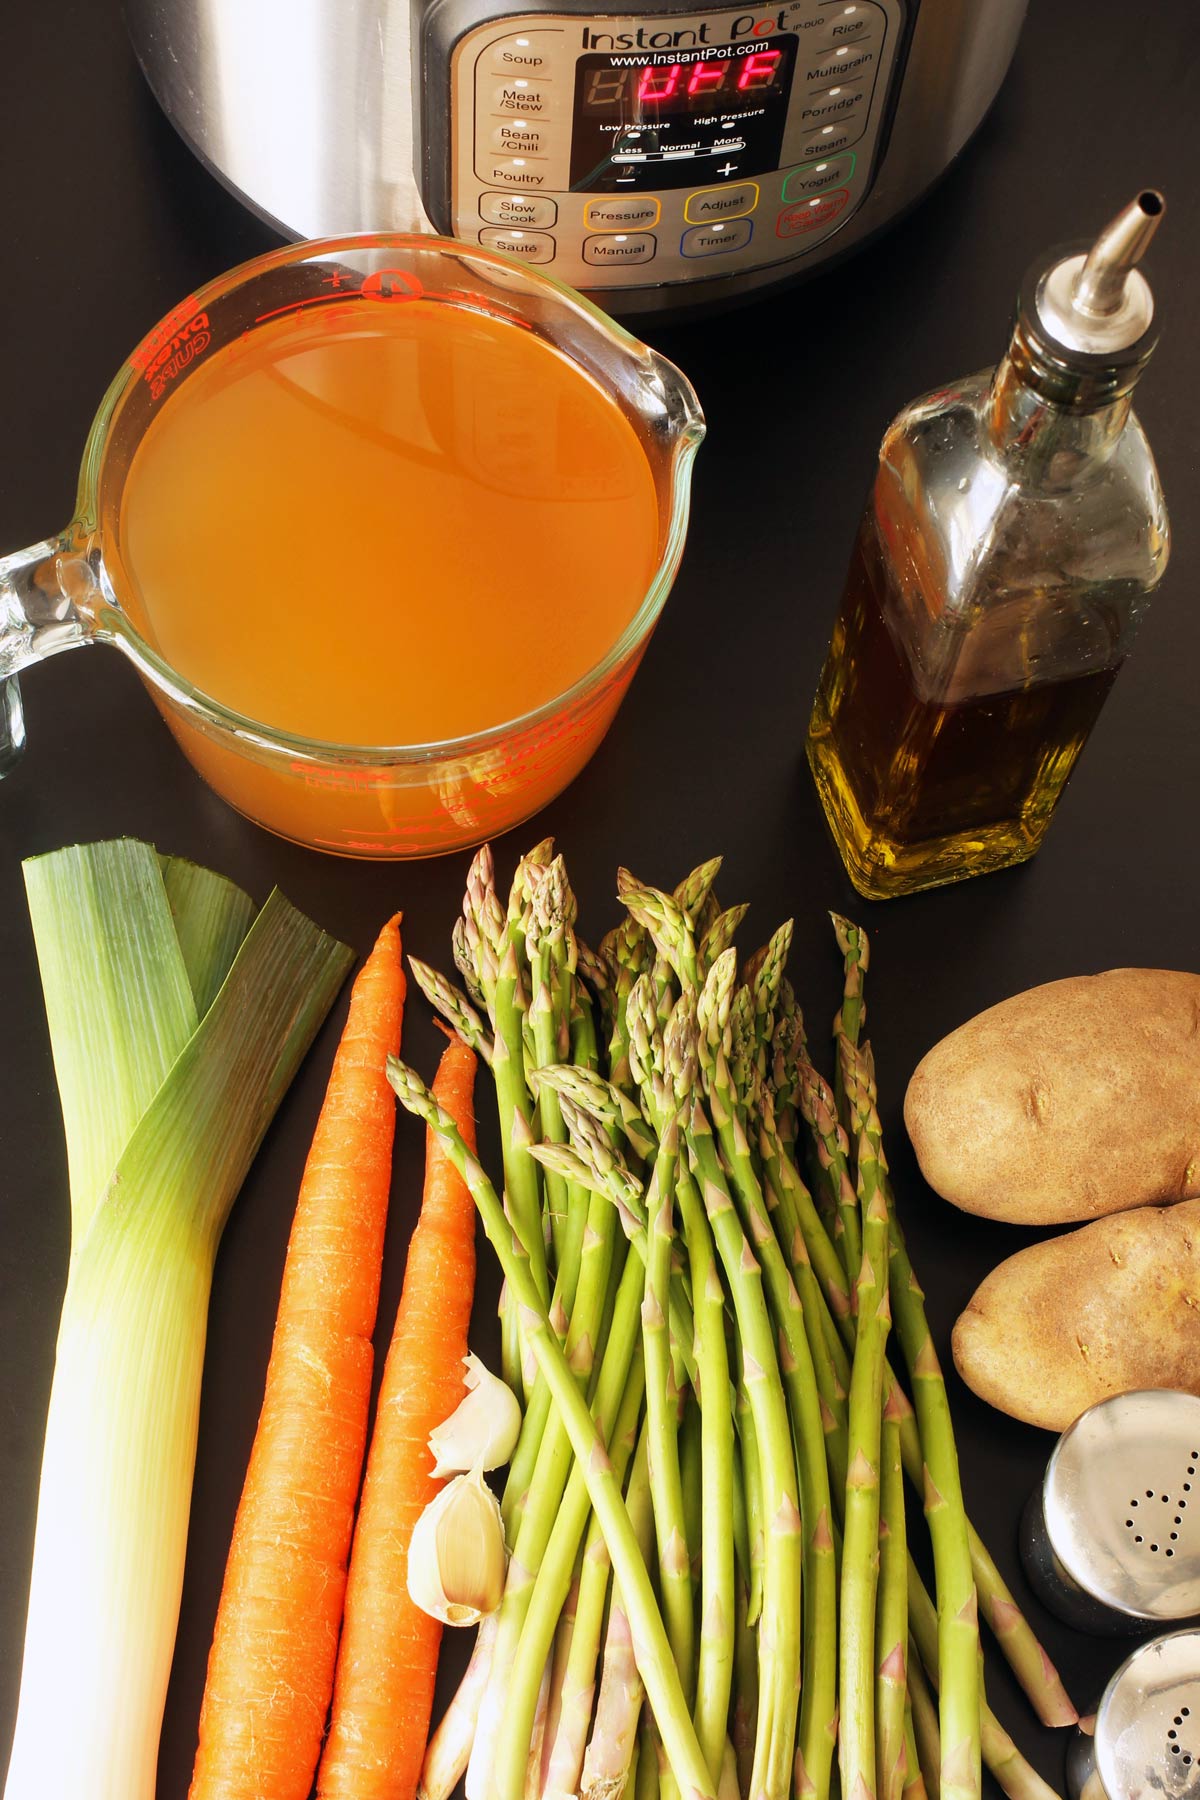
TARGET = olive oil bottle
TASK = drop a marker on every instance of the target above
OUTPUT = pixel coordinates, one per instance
(1014, 530)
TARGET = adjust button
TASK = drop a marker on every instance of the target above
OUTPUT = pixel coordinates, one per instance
(525, 95)
(517, 209)
(814, 177)
(811, 215)
(528, 246)
(711, 240)
(620, 247)
(521, 137)
(721, 203)
(619, 211)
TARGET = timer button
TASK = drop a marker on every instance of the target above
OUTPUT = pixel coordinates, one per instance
(517, 209)
(620, 247)
(812, 215)
(721, 203)
(621, 211)
(814, 177)
(527, 246)
(711, 240)
(521, 137)
(525, 95)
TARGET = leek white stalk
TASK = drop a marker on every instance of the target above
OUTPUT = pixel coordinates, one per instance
(482, 1431)
(162, 1119)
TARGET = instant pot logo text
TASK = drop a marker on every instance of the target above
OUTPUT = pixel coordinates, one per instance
(687, 37)
(171, 346)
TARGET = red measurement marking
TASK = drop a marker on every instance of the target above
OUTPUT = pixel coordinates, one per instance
(147, 351)
(393, 284)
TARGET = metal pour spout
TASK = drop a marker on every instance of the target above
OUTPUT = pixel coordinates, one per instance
(1099, 303)
(1099, 287)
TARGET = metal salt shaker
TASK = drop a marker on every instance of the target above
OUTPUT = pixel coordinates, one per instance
(1145, 1738)
(1111, 1539)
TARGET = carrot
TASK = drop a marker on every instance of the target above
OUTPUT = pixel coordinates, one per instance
(270, 1670)
(388, 1658)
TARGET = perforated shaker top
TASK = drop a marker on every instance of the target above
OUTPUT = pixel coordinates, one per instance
(1148, 1724)
(1122, 1503)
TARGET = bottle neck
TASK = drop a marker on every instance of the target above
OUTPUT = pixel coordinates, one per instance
(1043, 442)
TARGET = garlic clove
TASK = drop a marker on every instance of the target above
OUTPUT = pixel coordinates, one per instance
(456, 1555)
(482, 1431)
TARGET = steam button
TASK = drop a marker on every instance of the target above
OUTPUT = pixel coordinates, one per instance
(834, 137)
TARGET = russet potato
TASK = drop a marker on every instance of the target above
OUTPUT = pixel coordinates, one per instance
(1064, 1323)
(1067, 1102)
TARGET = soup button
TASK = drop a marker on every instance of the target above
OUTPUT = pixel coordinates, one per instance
(528, 246)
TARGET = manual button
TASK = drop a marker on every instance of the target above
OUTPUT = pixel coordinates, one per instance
(721, 203)
(711, 240)
(517, 209)
(621, 210)
(620, 247)
(529, 246)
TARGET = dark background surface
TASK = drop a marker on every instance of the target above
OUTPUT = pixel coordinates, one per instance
(106, 221)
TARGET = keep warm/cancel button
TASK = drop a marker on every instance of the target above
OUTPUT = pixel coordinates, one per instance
(620, 247)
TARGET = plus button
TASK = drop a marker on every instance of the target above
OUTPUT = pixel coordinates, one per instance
(728, 169)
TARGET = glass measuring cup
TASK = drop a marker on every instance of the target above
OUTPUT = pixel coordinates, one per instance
(366, 800)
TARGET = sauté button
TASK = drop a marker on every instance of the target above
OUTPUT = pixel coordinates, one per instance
(526, 54)
(523, 95)
(814, 177)
(721, 203)
(811, 215)
(711, 240)
(529, 246)
(620, 211)
(620, 247)
(517, 209)
(521, 137)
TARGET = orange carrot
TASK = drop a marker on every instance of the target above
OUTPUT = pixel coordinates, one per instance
(388, 1657)
(270, 1670)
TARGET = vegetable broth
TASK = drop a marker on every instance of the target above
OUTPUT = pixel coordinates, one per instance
(387, 524)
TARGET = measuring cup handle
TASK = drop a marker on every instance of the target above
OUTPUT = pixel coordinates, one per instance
(38, 617)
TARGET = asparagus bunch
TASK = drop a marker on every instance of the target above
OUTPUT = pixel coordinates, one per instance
(710, 1591)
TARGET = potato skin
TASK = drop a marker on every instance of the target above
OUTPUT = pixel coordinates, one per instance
(1066, 1102)
(1098, 1311)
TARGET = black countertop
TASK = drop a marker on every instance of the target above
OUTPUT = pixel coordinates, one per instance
(106, 220)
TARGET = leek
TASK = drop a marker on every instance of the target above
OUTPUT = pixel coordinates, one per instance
(165, 1099)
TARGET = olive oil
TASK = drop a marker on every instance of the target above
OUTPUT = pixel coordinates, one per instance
(920, 790)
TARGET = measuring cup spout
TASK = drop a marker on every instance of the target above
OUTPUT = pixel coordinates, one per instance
(39, 615)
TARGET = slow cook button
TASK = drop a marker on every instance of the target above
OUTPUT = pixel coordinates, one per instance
(535, 99)
(528, 246)
(520, 137)
(811, 215)
(711, 240)
(523, 55)
(619, 247)
(621, 211)
(721, 203)
(815, 177)
(517, 209)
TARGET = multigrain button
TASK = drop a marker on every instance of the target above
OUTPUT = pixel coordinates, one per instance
(838, 63)
(711, 240)
(517, 209)
(523, 95)
(814, 177)
(620, 211)
(619, 247)
(529, 246)
(521, 137)
(522, 55)
(721, 203)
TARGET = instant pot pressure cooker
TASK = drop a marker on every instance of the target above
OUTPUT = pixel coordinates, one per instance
(658, 159)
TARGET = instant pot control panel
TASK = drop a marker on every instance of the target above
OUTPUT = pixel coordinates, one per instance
(640, 150)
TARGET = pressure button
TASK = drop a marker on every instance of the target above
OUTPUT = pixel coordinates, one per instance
(618, 212)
